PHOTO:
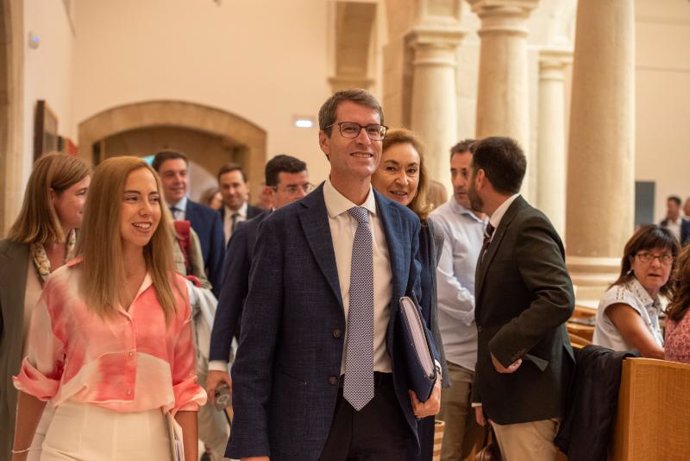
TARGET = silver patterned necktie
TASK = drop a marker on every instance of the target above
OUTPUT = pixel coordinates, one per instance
(358, 388)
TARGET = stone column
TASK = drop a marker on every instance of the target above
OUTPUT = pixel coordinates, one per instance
(602, 141)
(503, 90)
(551, 141)
(433, 112)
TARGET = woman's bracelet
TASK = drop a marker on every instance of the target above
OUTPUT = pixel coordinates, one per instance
(18, 452)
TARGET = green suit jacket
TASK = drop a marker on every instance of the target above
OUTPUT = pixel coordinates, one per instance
(14, 260)
(524, 296)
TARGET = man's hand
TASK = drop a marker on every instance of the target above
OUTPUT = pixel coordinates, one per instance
(512, 368)
(479, 415)
(213, 380)
(429, 408)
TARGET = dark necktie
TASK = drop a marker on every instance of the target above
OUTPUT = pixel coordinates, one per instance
(358, 388)
(175, 213)
(488, 232)
(233, 225)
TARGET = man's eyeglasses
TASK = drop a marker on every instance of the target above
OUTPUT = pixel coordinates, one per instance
(647, 257)
(293, 189)
(350, 130)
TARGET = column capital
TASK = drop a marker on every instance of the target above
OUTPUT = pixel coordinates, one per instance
(438, 36)
(503, 16)
(491, 6)
(553, 61)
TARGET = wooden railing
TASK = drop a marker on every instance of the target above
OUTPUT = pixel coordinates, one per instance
(653, 419)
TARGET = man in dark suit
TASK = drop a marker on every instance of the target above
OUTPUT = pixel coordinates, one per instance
(523, 297)
(309, 339)
(287, 181)
(173, 168)
(233, 186)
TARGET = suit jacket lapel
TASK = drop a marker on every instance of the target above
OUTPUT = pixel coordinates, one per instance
(485, 262)
(313, 217)
(390, 219)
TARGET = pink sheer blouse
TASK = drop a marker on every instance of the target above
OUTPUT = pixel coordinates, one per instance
(129, 363)
(677, 345)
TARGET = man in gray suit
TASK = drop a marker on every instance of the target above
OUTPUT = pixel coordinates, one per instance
(523, 296)
(319, 373)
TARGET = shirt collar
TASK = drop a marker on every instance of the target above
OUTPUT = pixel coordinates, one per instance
(641, 294)
(337, 203)
(495, 219)
(457, 208)
(181, 205)
(242, 211)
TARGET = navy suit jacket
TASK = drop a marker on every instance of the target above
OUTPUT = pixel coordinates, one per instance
(287, 371)
(685, 231)
(238, 258)
(208, 226)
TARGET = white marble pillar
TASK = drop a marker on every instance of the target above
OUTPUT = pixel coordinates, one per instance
(551, 175)
(601, 157)
(503, 90)
(434, 111)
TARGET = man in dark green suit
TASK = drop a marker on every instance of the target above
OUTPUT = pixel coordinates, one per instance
(524, 296)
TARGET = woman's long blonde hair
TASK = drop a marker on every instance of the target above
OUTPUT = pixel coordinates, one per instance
(38, 221)
(100, 242)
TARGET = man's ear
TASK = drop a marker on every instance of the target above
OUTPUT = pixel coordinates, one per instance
(325, 143)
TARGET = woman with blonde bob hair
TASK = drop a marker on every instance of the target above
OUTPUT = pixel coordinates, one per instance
(111, 344)
(40, 240)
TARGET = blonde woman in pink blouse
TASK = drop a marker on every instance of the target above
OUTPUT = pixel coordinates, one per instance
(678, 322)
(110, 343)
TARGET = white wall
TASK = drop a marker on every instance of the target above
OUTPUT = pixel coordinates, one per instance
(263, 60)
(663, 97)
(47, 70)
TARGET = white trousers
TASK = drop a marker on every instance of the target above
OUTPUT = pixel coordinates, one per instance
(90, 433)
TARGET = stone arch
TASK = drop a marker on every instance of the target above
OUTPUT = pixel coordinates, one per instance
(11, 57)
(248, 140)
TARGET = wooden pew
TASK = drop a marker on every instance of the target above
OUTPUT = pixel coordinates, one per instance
(653, 419)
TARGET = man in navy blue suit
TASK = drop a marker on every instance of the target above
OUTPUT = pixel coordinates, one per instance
(287, 181)
(294, 371)
(173, 168)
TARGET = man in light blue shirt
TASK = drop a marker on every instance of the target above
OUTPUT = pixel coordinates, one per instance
(463, 231)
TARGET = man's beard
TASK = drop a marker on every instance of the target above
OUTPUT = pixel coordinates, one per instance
(476, 201)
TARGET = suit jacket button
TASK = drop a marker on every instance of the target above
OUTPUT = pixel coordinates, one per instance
(332, 380)
(337, 333)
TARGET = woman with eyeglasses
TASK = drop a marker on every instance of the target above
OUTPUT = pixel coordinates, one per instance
(401, 176)
(678, 320)
(628, 313)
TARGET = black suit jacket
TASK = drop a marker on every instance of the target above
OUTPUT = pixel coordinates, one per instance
(287, 371)
(252, 212)
(209, 228)
(523, 297)
(238, 257)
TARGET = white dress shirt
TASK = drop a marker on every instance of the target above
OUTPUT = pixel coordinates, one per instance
(463, 234)
(180, 213)
(343, 227)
